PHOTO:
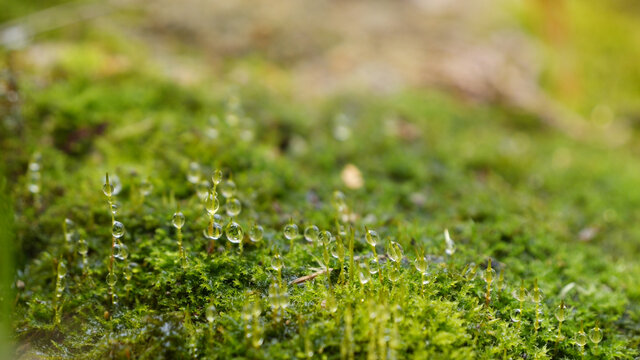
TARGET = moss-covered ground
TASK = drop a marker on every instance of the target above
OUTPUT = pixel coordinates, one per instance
(539, 206)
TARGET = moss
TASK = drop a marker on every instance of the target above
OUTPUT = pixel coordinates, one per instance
(537, 203)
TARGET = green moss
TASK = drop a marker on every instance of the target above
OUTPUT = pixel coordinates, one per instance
(538, 204)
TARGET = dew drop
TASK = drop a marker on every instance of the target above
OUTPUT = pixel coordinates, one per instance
(450, 245)
(256, 233)
(112, 279)
(233, 207)
(276, 262)
(120, 251)
(290, 231)
(202, 189)
(311, 233)
(515, 315)
(107, 189)
(595, 335)
(211, 203)
(421, 264)
(217, 177)
(234, 232)
(82, 247)
(228, 189)
(62, 269)
(560, 312)
(127, 273)
(213, 233)
(178, 220)
(117, 229)
(114, 208)
(193, 174)
(325, 237)
(372, 237)
(395, 252)
(581, 338)
(146, 187)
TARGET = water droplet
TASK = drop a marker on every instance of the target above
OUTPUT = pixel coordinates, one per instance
(211, 313)
(82, 247)
(228, 189)
(178, 220)
(290, 231)
(516, 315)
(233, 207)
(217, 177)
(146, 187)
(213, 233)
(339, 201)
(331, 304)
(120, 251)
(34, 188)
(325, 237)
(581, 338)
(202, 189)
(364, 275)
(372, 237)
(394, 274)
(193, 174)
(256, 232)
(489, 275)
(211, 203)
(421, 264)
(117, 229)
(127, 273)
(114, 208)
(537, 296)
(520, 294)
(595, 335)
(395, 252)
(234, 232)
(374, 266)
(62, 269)
(450, 245)
(276, 262)
(311, 233)
(274, 294)
(107, 189)
(117, 184)
(70, 230)
(560, 312)
(112, 279)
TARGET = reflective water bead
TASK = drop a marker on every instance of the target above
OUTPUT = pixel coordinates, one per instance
(290, 231)
(325, 237)
(519, 294)
(228, 189)
(339, 201)
(364, 275)
(114, 208)
(193, 174)
(516, 315)
(120, 251)
(62, 269)
(211, 203)
(117, 229)
(146, 187)
(560, 312)
(69, 230)
(331, 304)
(581, 338)
(202, 189)
(217, 177)
(256, 233)
(107, 188)
(311, 233)
(489, 275)
(276, 262)
(33, 188)
(372, 237)
(234, 232)
(178, 220)
(450, 245)
(595, 335)
(470, 272)
(211, 313)
(338, 250)
(117, 184)
(214, 232)
(112, 279)
(283, 299)
(395, 252)
(127, 273)
(233, 207)
(82, 247)
(421, 264)
(374, 266)
(394, 274)
(274, 293)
